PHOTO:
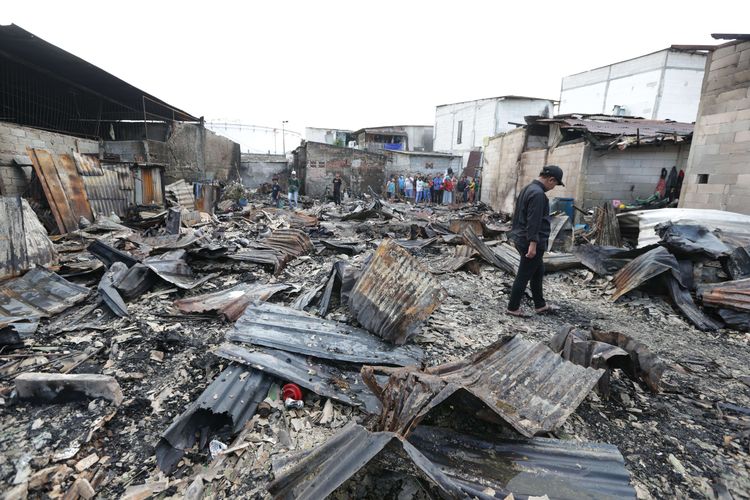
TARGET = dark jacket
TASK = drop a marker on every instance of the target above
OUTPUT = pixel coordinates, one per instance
(531, 216)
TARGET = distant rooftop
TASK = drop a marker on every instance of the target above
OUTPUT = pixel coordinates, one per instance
(693, 49)
(498, 97)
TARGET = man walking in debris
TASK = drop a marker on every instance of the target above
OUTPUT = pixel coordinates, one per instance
(293, 189)
(337, 189)
(530, 234)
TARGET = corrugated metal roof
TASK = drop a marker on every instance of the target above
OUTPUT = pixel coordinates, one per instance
(229, 401)
(524, 383)
(39, 293)
(87, 164)
(458, 465)
(643, 268)
(623, 126)
(561, 469)
(339, 382)
(280, 327)
(23, 240)
(395, 294)
(181, 193)
(112, 191)
(730, 294)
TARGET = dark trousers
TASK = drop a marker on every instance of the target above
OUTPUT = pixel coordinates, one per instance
(337, 196)
(529, 271)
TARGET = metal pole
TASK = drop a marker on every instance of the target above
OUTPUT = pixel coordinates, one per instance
(283, 136)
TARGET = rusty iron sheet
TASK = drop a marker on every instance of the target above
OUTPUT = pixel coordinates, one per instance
(171, 267)
(609, 350)
(292, 242)
(610, 125)
(729, 295)
(180, 193)
(643, 268)
(110, 192)
(395, 294)
(472, 240)
(279, 327)
(39, 293)
(232, 302)
(149, 183)
(23, 240)
(522, 383)
(63, 187)
(342, 382)
(87, 164)
(228, 402)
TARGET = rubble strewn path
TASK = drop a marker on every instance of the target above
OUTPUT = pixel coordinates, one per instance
(691, 440)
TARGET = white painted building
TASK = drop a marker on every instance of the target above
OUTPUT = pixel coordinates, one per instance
(332, 136)
(462, 127)
(664, 85)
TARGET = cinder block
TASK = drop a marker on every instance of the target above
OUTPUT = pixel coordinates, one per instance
(18, 132)
(722, 62)
(723, 52)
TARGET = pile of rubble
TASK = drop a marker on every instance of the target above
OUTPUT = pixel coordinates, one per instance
(360, 351)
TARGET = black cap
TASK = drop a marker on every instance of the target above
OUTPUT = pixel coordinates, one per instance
(554, 171)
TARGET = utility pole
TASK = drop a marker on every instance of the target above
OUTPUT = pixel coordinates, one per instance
(283, 136)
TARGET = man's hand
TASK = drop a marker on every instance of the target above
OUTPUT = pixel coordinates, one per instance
(531, 253)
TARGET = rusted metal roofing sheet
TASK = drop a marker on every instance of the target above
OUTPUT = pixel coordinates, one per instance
(730, 294)
(23, 240)
(643, 268)
(110, 192)
(181, 193)
(395, 294)
(229, 401)
(232, 302)
(281, 247)
(524, 383)
(39, 293)
(148, 186)
(560, 469)
(63, 187)
(87, 164)
(288, 329)
(341, 382)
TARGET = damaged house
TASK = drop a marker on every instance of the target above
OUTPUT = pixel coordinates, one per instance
(604, 158)
(80, 142)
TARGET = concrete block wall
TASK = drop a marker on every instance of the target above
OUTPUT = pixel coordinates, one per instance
(721, 141)
(628, 174)
(500, 169)
(258, 169)
(14, 139)
(196, 154)
(359, 169)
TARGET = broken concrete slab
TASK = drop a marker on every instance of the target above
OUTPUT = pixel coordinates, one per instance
(53, 387)
(395, 294)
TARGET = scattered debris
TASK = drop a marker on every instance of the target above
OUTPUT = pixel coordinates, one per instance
(63, 387)
(23, 240)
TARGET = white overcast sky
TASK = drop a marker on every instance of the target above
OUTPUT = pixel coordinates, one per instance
(351, 64)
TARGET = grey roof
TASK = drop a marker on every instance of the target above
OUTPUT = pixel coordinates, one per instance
(502, 97)
(39, 293)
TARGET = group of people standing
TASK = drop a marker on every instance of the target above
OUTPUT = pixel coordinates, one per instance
(445, 189)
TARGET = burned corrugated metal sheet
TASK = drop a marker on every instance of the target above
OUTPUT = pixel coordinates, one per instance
(148, 186)
(110, 192)
(418, 243)
(454, 465)
(107, 290)
(232, 302)
(181, 194)
(560, 469)
(612, 125)
(171, 267)
(684, 302)
(395, 294)
(282, 246)
(600, 349)
(87, 164)
(327, 467)
(341, 383)
(524, 383)
(280, 327)
(730, 294)
(606, 260)
(228, 402)
(472, 240)
(23, 240)
(39, 293)
(108, 254)
(643, 268)
(63, 187)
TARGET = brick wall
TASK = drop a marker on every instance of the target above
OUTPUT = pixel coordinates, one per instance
(718, 171)
(628, 174)
(14, 139)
